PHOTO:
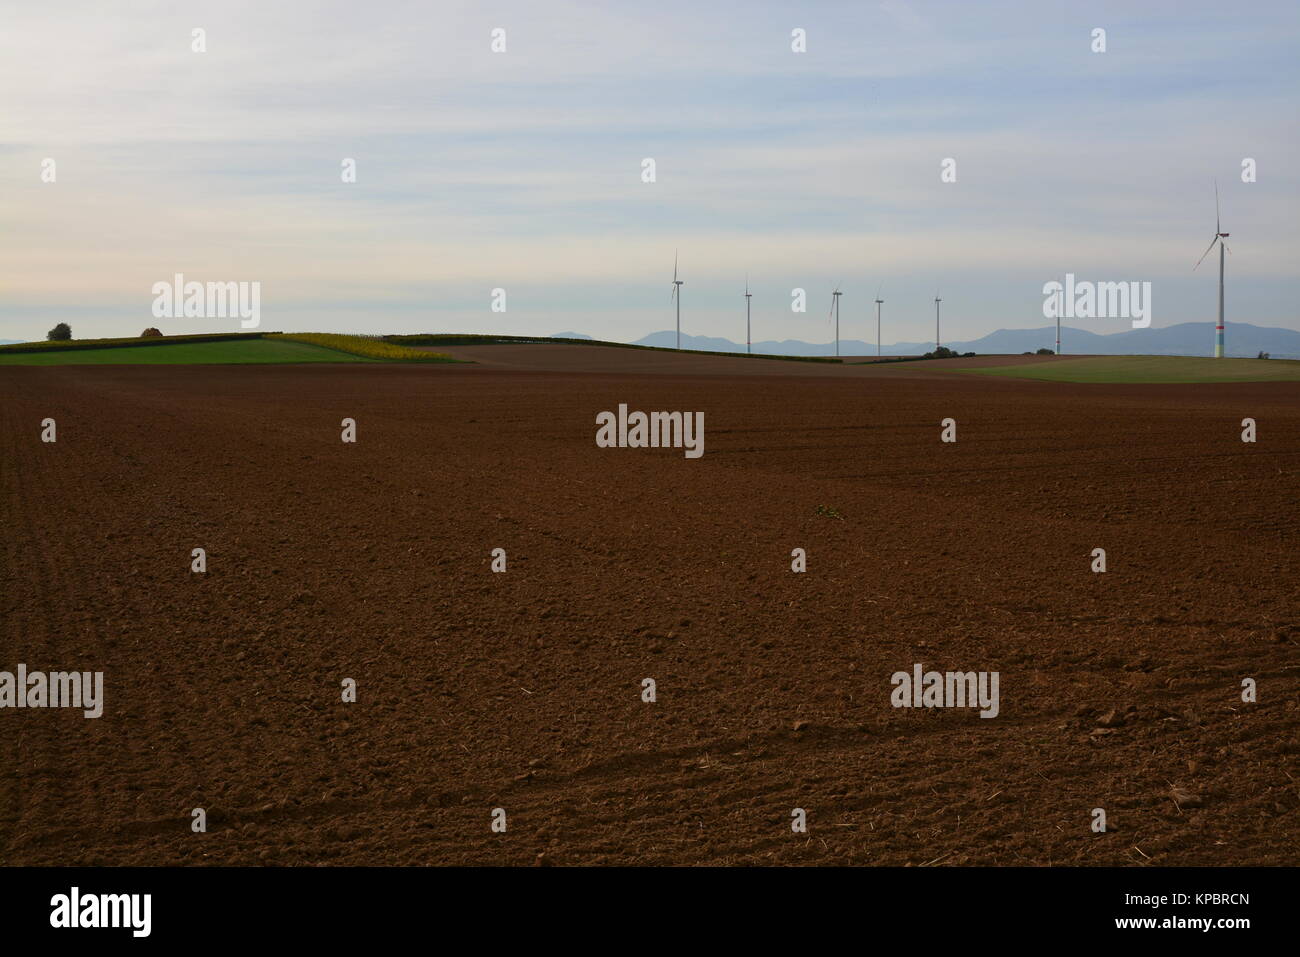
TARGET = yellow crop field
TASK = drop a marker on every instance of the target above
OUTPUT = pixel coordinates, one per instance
(363, 346)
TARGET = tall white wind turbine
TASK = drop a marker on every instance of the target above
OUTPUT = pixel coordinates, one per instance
(1219, 238)
(835, 311)
(748, 294)
(937, 300)
(677, 297)
(1059, 303)
(879, 303)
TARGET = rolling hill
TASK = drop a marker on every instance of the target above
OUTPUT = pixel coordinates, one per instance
(1185, 339)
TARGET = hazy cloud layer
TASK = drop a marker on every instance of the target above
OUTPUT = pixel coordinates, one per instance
(522, 170)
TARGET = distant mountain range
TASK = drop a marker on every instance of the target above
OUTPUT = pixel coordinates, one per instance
(1184, 339)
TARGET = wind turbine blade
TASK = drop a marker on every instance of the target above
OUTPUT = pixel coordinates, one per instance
(1228, 248)
(1207, 252)
(674, 267)
(1216, 207)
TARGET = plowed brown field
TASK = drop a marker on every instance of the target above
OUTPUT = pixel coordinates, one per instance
(522, 690)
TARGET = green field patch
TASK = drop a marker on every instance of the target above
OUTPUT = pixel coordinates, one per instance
(227, 352)
(1150, 369)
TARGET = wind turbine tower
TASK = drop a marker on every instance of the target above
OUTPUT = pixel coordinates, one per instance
(1058, 308)
(677, 295)
(835, 309)
(1219, 238)
(748, 294)
(879, 303)
(937, 300)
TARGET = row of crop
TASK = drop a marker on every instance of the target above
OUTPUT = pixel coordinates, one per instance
(363, 346)
(59, 344)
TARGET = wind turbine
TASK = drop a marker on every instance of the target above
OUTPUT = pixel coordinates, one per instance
(1060, 311)
(748, 294)
(879, 301)
(937, 300)
(835, 311)
(1219, 238)
(677, 296)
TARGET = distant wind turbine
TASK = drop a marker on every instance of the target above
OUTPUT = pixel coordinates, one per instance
(1219, 238)
(835, 311)
(677, 296)
(937, 300)
(1059, 303)
(748, 294)
(879, 303)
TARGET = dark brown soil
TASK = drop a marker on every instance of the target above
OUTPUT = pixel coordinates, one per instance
(565, 357)
(523, 690)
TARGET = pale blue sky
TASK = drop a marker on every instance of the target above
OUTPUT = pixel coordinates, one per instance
(522, 170)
